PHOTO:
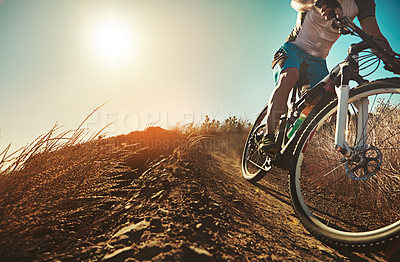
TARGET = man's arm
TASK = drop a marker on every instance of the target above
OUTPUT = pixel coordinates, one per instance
(325, 7)
(370, 26)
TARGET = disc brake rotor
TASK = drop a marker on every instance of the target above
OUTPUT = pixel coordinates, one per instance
(364, 164)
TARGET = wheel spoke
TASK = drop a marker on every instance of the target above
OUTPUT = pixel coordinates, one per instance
(331, 172)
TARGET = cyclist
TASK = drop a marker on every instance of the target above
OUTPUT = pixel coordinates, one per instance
(302, 57)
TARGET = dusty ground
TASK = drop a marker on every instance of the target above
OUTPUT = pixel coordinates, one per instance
(103, 201)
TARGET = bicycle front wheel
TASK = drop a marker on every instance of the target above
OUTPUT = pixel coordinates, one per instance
(352, 202)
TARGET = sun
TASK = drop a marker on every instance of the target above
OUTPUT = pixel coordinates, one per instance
(113, 39)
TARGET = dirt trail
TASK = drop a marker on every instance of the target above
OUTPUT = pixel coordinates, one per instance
(192, 205)
(277, 222)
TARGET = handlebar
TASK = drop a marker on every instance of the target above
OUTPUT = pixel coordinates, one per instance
(390, 58)
(347, 23)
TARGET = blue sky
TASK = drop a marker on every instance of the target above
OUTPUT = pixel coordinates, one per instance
(155, 61)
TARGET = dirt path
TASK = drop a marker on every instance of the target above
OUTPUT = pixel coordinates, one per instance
(193, 205)
(276, 220)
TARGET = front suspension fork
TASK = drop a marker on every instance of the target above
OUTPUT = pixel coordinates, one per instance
(341, 120)
(343, 93)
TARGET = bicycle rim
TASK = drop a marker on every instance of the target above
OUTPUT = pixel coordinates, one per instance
(352, 202)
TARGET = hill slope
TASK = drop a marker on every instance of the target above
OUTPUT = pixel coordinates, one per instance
(104, 201)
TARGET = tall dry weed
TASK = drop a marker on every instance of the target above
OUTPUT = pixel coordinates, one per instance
(54, 140)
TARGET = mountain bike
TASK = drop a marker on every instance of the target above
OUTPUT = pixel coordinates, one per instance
(344, 158)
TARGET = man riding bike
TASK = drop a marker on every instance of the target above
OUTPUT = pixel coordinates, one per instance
(302, 57)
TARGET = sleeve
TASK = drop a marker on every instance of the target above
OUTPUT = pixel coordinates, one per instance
(366, 8)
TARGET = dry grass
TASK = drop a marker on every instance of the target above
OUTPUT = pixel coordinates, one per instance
(228, 135)
(54, 140)
(67, 186)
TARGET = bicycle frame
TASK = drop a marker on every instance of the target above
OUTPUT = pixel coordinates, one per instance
(326, 90)
(335, 84)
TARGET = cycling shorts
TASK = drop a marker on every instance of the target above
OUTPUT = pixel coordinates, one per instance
(289, 55)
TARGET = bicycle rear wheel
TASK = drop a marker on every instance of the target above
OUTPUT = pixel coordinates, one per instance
(352, 202)
(255, 165)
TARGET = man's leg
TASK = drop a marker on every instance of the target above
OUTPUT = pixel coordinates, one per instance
(278, 100)
(277, 106)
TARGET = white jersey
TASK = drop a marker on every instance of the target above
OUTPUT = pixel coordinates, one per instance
(315, 35)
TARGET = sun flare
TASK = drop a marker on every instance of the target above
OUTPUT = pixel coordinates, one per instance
(113, 39)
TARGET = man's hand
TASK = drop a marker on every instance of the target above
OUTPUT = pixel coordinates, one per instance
(329, 13)
(393, 67)
(329, 9)
(392, 61)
